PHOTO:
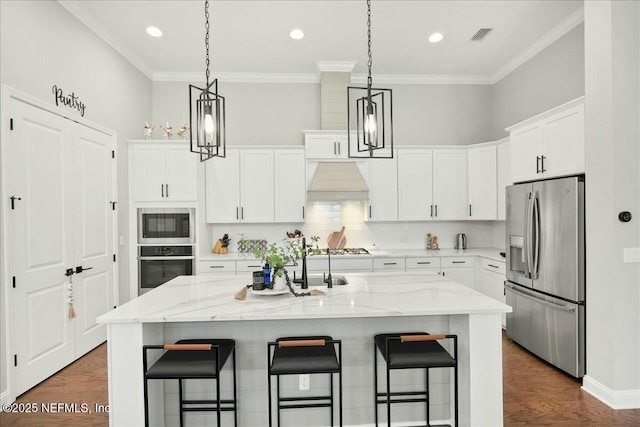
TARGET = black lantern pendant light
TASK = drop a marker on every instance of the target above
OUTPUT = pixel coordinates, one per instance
(206, 112)
(370, 119)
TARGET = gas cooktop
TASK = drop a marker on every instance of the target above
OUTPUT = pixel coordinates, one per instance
(348, 251)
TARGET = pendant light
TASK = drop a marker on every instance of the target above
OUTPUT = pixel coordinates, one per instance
(206, 112)
(369, 115)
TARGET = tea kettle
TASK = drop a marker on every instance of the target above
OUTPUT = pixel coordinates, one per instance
(461, 241)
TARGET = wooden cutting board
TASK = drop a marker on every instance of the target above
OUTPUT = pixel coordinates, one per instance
(336, 238)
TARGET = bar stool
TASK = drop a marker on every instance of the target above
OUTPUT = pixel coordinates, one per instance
(193, 359)
(412, 350)
(305, 355)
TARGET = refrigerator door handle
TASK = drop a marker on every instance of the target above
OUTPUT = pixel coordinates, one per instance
(528, 246)
(536, 224)
(541, 301)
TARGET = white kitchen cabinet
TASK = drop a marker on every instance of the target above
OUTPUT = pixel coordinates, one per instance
(459, 269)
(415, 184)
(216, 267)
(290, 191)
(163, 172)
(343, 263)
(240, 187)
(450, 184)
(432, 184)
(248, 265)
(423, 263)
(382, 180)
(390, 263)
(326, 145)
(504, 176)
(550, 144)
(493, 277)
(483, 188)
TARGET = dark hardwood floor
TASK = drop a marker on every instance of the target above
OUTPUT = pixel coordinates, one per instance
(535, 394)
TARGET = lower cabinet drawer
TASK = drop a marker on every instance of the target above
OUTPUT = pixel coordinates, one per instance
(380, 264)
(458, 261)
(345, 263)
(492, 265)
(423, 263)
(226, 267)
(248, 265)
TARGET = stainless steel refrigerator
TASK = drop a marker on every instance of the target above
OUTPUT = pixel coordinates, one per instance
(546, 270)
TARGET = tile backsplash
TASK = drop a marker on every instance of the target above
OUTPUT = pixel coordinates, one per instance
(324, 218)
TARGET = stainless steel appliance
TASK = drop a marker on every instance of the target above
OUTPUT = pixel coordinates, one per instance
(159, 264)
(461, 241)
(546, 270)
(165, 225)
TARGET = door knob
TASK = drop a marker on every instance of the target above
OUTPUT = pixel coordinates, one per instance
(80, 269)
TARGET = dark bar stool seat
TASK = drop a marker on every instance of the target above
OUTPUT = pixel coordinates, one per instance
(193, 359)
(305, 355)
(413, 350)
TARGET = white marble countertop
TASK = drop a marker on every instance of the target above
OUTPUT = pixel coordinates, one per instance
(211, 298)
(490, 253)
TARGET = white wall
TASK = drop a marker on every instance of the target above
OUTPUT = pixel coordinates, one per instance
(551, 78)
(42, 44)
(612, 109)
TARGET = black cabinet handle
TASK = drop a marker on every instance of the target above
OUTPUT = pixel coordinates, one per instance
(542, 164)
(436, 211)
(303, 212)
(431, 211)
(167, 189)
(458, 262)
(537, 164)
(13, 200)
(369, 211)
(162, 189)
(242, 212)
(237, 217)
(390, 263)
(469, 209)
(423, 262)
(216, 266)
(491, 265)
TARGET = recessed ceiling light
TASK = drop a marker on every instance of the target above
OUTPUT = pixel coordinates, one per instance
(296, 34)
(435, 37)
(154, 31)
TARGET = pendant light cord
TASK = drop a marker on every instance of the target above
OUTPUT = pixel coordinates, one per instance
(370, 62)
(206, 38)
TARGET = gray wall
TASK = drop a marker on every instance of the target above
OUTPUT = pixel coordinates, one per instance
(551, 78)
(42, 44)
(276, 113)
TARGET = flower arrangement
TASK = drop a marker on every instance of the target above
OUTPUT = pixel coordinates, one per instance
(289, 252)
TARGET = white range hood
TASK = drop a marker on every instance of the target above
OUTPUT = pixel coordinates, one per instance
(337, 181)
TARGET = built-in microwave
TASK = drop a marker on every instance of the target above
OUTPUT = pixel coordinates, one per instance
(165, 226)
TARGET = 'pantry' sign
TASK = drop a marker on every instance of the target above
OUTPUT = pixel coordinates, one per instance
(71, 101)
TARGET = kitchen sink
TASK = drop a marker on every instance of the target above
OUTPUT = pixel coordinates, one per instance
(318, 280)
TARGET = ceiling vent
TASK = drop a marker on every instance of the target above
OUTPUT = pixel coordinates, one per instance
(481, 34)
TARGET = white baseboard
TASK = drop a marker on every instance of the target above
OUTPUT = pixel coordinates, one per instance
(615, 399)
(4, 399)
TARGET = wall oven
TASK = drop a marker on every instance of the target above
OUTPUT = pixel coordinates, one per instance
(165, 226)
(159, 264)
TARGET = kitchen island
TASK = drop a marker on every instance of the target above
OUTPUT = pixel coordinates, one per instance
(371, 303)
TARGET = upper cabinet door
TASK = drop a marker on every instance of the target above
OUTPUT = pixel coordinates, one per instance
(222, 187)
(482, 167)
(504, 176)
(526, 153)
(564, 143)
(256, 186)
(450, 184)
(290, 191)
(181, 174)
(148, 173)
(415, 182)
(382, 179)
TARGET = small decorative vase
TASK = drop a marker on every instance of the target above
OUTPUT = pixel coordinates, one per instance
(279, 283)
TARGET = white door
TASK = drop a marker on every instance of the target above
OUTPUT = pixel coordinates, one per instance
(63, 174)
(564, 143)
(256, 186)
(290, 191)
(93, 235)
(181, 173)
(450, 184)
(222, 188)
(483, 177)
(415, 181)
(526, 152)
(464, 275)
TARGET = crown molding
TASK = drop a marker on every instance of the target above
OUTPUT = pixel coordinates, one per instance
(423, 79)
(106, 36)
(572, 21)
(336, 66)
(171, 76)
